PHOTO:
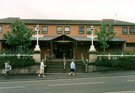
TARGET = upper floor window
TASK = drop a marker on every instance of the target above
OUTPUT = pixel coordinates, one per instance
(37, 28)
(81, 30)
(0, 29)
(59, 30)
(124, 30)
(44, 29)
(111, 29)
(88, 30)
(67, 30)
(131, 30)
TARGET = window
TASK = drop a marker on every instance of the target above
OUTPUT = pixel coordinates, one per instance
(130, 44)
(111, 29)
(124, 30)
(67, 30)
(0, 29)
(88, 30)
(81, 30)
(59, 30)
(131, 30)
(44, 30)
(36, 30)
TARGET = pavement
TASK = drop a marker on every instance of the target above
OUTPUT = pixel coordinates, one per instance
(54, 76)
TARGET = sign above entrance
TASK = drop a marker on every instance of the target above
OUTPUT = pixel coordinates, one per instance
(61, 41)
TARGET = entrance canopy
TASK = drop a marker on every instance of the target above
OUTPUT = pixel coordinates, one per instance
(70, 46)
(75, 38)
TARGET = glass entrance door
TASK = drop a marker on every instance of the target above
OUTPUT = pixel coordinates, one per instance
(61, 49)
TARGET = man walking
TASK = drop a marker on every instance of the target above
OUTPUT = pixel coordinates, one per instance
(72, 68)
(42, 66)
(7, 68)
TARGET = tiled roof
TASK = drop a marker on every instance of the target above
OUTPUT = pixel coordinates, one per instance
(45, 38)
(77, 38)
(84, 38)
(118, 39)
(65, 22)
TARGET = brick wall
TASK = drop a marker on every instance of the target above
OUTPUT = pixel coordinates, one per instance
(74, 31)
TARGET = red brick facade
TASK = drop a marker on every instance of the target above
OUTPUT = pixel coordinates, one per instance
(77, 47)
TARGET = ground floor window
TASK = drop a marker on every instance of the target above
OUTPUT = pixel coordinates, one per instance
(130, 45)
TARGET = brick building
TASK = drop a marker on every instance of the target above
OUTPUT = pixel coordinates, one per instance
(69, 37)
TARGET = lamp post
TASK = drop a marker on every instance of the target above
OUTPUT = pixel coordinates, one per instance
(92, 51)
(92, 48)
(37, 52)
(37, 48)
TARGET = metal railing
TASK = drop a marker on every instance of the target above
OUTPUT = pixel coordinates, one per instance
(114, 56)
(17, 55)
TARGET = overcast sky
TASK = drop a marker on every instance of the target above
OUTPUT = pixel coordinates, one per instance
(69, 9)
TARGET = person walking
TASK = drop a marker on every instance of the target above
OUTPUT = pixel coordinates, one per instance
(8, 67)
(42, 66)
(72, 68)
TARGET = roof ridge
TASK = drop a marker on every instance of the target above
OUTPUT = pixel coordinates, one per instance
(62, 19)
(66, 21)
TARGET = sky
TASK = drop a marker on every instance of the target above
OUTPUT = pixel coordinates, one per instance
(69, 9)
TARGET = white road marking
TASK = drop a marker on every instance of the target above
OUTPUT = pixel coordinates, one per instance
(131, 80)
(71, 84)
(122, 92)
(8, 82)
(16, 87)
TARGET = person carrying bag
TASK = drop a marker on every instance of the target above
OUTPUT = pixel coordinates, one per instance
(8, 67)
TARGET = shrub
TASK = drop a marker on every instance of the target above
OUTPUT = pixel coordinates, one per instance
(127, 63)
(12, 51)
(15, 62)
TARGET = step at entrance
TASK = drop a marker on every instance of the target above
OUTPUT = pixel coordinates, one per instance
(58, 67)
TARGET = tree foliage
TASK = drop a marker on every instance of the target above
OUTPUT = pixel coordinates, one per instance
(104, 34)
(19, 35)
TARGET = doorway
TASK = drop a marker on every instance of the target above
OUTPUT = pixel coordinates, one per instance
(63, 49)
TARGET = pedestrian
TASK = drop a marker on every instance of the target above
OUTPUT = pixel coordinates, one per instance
(8, 67)
(42, 66)
(72, 68)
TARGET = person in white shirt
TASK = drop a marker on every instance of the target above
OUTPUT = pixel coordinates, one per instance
(42, 66)
(72, 68)
(7, 68)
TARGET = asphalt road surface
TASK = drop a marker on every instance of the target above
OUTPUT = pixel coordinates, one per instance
(107, 84)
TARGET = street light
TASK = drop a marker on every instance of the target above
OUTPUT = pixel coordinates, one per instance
(37, 48)
(92, 48)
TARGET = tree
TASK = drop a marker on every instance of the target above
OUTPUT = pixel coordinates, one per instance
(19, 35)
(105, 34)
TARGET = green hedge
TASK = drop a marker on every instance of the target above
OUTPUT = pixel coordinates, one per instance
(125, 63)
(15, 62)
(10, 51)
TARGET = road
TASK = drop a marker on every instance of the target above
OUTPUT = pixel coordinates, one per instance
(106, 84)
